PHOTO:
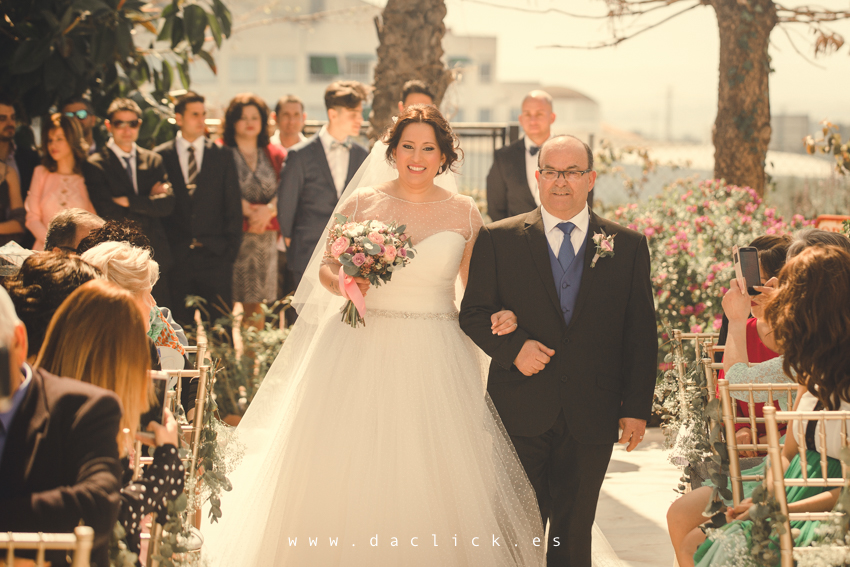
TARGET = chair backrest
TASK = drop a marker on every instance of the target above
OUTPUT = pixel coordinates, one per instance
(80, 542)
(772, 418)
(729, 408)
(681, 361)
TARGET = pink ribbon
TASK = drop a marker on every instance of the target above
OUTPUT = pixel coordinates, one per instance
(350, 291)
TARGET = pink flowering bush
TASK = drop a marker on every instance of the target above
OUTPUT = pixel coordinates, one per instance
(691, 227)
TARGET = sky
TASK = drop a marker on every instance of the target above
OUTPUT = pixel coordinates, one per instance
(631, 82)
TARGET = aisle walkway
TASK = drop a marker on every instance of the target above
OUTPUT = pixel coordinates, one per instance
(637, 491)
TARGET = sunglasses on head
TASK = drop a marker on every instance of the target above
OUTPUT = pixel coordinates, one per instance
(79, 114)
(131, 123)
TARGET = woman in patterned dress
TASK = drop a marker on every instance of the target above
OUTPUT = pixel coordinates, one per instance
(258, 165)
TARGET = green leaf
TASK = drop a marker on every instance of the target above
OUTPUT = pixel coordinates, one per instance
(183, 71)
(168, 10)
(351, 270)
(215, 28)
(167, 75)
(124, 40)
(224, 17)
(93, 6)
(195, 19)
(167, 26)
(340, 218)
(30, 55)
(209, 59)
(177, 33)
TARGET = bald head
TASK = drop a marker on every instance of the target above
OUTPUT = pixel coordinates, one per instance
(539, 96)
(566, 141)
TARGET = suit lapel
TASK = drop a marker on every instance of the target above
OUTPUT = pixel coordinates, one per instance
(171, 160)
(352, 166)
(322, 163)
(587, 276)
(120, 173)
(518, 170)
(33, 417)
(539, 250)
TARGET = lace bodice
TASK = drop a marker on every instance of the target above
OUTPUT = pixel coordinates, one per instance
(443, 234)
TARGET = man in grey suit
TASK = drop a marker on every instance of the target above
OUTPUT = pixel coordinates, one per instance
(315, 175)
(511, 185)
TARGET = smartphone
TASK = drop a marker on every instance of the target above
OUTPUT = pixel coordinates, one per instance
(747, 267)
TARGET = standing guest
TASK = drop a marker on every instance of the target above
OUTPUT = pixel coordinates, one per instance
(511, 184)
(22, 159)
(258, 165)
(81, 110)
(58, 183)
(68, 228)
(289, 116)
(316, 174)
(129, 182)
(415, 92)
(12, 212)
(59, 464)
(40, 287)
(205, 230)
(97, 337)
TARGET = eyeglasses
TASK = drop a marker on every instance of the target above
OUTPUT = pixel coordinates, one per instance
(131, 123)
(79, 114)
(569, 175)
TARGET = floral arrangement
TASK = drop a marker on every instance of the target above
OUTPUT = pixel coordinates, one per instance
(604, 246)
(368, 249)
(691, 227)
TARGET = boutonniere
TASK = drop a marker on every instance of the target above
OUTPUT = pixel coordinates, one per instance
(604, 246)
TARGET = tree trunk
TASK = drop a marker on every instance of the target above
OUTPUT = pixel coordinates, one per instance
(742, 129)
(411, 35)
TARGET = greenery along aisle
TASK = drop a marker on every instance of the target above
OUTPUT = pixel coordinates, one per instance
(691, 227)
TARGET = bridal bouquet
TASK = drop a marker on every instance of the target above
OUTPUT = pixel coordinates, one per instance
(368, 249)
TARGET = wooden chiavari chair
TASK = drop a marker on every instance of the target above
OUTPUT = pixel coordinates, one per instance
(80, 542)
(729, 406)
(772, 418)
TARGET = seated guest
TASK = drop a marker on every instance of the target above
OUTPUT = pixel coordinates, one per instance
(96, 337)
(126, 182)
(59, 464)
(810, 315)
(58, 183)
(808, 237)
(68, 228)
(39, 288)
(415, 92)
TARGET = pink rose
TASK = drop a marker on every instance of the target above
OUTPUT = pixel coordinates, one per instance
(376, 238)
(606, 246)
(389, 254)
(402, 252)
(339, 246)
(359, 259)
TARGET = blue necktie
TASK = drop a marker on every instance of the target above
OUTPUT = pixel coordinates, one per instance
(566, 253)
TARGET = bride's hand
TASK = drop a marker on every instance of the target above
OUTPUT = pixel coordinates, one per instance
(503, 322)
(363, 284)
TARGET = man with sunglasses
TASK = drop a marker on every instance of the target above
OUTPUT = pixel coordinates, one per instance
(126, 182)
(80, 109)
(581, 360)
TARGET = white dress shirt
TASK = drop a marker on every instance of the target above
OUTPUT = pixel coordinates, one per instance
(182, 147)
(530, 168)
(337, 159)
(555, 235)
(275, 139)
(121, 155)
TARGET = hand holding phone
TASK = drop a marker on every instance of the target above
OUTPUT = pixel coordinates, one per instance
(747, 268)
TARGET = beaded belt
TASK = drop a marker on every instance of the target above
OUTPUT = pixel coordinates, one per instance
(411, 315)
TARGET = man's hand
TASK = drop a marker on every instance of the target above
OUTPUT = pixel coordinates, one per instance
(503, 322)
(160, 189)
(744, 436)
(122, 201)
(741, 511)
(633, 431)
(533, 357)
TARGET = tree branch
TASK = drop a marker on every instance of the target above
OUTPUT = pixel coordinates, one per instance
(620, 40)
(800, 53)
(809, 14)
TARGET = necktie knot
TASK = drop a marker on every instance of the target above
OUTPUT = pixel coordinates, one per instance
(566, 227)
(337, 144)
(533, 150)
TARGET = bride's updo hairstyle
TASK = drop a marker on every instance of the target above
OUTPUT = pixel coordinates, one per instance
(425, 114)
(810, 317)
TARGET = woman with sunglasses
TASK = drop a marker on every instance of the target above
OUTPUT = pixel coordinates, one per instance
(58, 183)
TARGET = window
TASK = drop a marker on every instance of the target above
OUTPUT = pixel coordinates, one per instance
(201, 73)
(485, 115)
(485, 73)
(243, 69)
(459, 62)
(323, 67)
(281, 70)
(359, 67)
(515, 112)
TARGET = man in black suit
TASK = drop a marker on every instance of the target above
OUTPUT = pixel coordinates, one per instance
(316, 173)
(583, 356)
(126, 182)
(59, 462)
(511, 183)
(205, 230)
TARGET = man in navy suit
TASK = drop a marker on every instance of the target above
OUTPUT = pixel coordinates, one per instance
(315, 175)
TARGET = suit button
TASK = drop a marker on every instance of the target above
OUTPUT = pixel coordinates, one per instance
(563, 309)
(566, 340)
(564, 378)
(565, 285)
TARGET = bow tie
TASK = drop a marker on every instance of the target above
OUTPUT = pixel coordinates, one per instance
(346, 144)
(533, 150)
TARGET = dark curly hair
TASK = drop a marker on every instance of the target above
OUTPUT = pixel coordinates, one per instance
(425, 114)
(116, 231)
(234, 113)
(39, 288)
(810, 317)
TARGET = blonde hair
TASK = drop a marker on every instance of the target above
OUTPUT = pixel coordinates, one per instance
(130, 267)
(97, 336)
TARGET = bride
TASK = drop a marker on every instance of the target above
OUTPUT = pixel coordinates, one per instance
(378, 446)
